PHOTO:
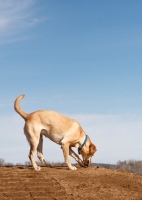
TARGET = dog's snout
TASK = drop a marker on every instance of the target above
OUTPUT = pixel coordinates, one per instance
(86, 163)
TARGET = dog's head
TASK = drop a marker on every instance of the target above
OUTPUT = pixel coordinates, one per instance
(87, 152)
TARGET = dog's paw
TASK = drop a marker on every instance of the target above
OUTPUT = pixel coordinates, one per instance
(73, 168)
(38, 168)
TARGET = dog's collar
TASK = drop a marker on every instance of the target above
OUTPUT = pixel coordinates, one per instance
(80, 148)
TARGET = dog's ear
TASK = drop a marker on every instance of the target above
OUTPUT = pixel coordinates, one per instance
(92, 149)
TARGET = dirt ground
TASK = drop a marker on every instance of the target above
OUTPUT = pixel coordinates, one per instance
(59, 183)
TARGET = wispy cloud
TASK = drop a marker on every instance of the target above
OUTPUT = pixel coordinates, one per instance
(16, 16)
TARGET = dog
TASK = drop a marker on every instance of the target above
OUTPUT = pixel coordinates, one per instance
(60, 129)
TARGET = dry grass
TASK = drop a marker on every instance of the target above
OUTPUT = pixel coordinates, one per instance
(132, 166)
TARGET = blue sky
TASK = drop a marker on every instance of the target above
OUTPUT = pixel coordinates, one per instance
(80, 58)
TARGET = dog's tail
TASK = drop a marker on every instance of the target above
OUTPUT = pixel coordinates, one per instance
(18, 109)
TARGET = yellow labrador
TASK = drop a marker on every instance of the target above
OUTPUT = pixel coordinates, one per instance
(58, 128)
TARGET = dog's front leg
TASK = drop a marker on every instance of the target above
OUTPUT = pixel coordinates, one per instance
(65, 148)
(76, 157)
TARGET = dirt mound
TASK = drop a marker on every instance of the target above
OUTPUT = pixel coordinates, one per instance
(23, 183)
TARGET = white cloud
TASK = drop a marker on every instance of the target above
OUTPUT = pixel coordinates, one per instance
(16, 16)
(117, 137)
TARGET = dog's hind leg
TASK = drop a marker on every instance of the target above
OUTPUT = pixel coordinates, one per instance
(39, 151)
(33, 138)
(33, 145)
